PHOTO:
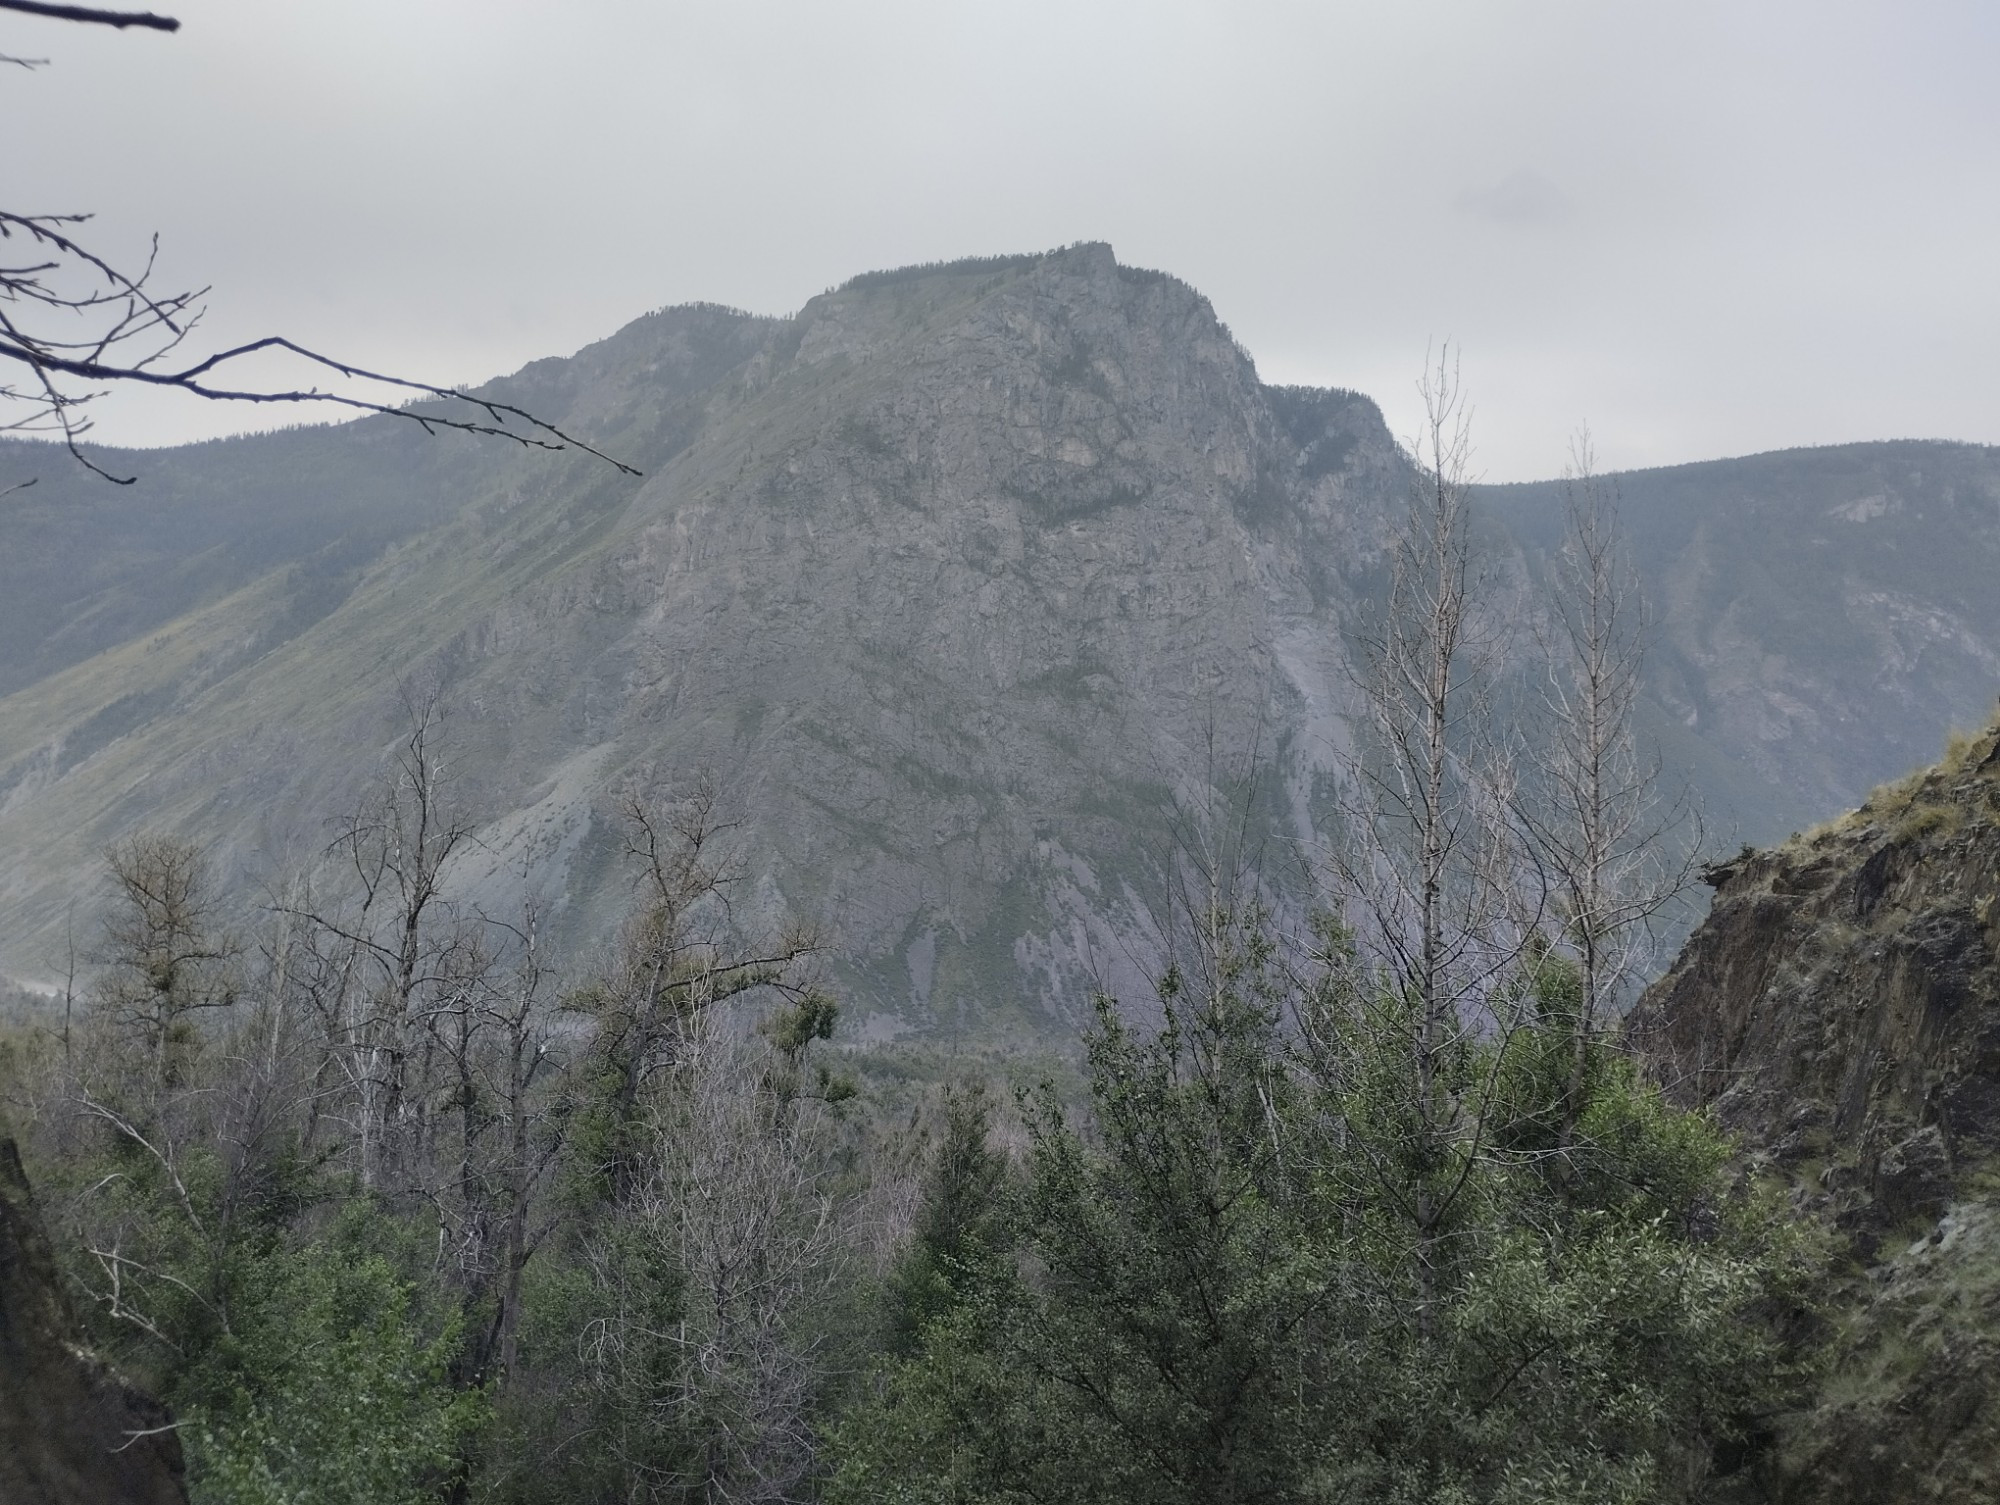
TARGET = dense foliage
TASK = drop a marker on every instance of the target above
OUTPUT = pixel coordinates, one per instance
(1214, 1285)
(388, 1215)
(1235, 1267)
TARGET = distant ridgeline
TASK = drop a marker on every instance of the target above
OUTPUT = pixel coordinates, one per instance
(967, 587)
(967, 266)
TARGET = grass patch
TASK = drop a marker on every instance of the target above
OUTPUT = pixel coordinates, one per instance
(1927, 818)
(1895, 796)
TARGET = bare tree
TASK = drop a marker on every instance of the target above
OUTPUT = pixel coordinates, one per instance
(680, 956)
(499, 1121)
(392, 949)
(167, 957)
(437, 1047)
(1611, 847)
(740, 1200)
(74, 325)
(1428, 867)
(1430, 863)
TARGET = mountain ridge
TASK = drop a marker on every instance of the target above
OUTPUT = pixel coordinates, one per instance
(960, 582)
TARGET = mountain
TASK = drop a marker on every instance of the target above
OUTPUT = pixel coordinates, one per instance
(1839, 1011)
(968, 586)
(1822, 616)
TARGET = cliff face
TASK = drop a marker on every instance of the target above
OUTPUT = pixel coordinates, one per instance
(965, 584)
(1823, 614)
(956, 584)
(1839, 1009)
(71, 1432)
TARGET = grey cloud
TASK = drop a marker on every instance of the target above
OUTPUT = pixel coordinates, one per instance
(1523, 197)
(1648, 191)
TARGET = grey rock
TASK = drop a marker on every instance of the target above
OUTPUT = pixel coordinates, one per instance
(971, 586)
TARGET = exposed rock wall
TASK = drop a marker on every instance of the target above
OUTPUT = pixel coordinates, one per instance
(956, 584)
(1839, 1009)
(966, 584)
(71, 1431)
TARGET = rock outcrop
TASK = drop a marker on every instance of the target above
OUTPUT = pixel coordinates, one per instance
(71, 1431)
(1839, 1010)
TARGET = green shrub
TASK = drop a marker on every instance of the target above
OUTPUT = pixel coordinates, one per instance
(324, 1392)
(1255, 1275)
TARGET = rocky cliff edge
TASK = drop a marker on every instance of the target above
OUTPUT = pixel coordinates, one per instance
(1839, 1010)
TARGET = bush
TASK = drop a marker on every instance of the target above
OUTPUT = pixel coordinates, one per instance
(325, 1392)
(1252, 1276)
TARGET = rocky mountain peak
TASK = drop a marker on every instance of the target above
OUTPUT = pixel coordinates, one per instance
(955, 582)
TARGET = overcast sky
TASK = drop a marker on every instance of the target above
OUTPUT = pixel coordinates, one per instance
(1703, 229)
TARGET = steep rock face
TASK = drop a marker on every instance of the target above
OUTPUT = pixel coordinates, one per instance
(71, 1432)
(983, 573)
(1840, 1010)
(1814, 608)
(956, 583)
(967, 585)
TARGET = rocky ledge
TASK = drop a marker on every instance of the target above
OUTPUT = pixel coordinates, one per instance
(1839, 1010)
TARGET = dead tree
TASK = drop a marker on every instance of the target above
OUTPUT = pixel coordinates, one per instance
(500, 1120)
(1427, 865)
(385, 948)
(740, 1201)
(680, 957)
(167, 957)
(1615, 851)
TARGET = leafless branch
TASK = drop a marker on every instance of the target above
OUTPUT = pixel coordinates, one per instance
(68, 316)
(1611, 843)
(91, 16)
(132, 1437)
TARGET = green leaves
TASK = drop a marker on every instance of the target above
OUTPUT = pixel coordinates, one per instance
(328, 1392)
(1248, 1276)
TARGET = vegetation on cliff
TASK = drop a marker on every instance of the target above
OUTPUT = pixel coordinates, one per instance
(1839, 1012)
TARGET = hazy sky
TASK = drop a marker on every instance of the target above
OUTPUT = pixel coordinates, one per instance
(1705, 229)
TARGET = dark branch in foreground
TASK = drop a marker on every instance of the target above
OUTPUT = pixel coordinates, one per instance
(92, 16)
(497, 413)
(103, 312)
